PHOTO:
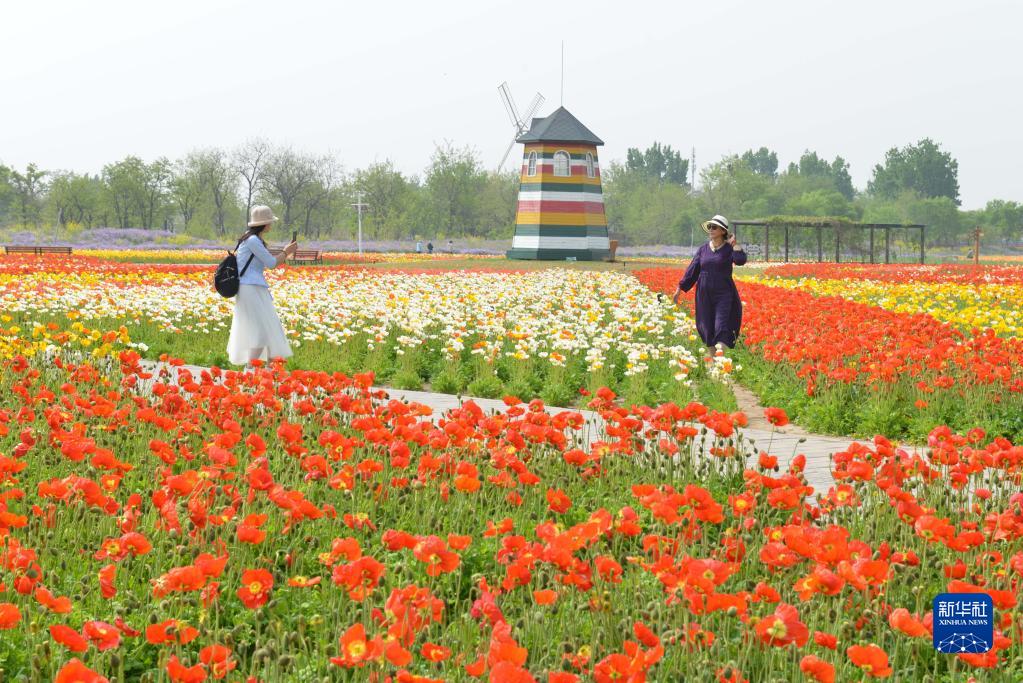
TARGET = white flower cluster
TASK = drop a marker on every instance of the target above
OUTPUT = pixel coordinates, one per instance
(556, 315)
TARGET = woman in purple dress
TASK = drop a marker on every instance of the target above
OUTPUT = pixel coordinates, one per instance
(718, 308)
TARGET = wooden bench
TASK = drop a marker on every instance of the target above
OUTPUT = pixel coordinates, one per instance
(307, 256)
(301, 255)
(38, 251)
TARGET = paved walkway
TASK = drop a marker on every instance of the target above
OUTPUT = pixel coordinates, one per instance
(784, 443)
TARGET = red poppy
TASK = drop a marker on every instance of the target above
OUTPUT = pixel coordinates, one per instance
(901, 620)
(218, 659)
(76, 672)
(435, 653)
(544, 597)
(69, 638)
(303, 581)
(359, 577)
(870, 659)
(61, 605)
(103, 635)
(171, 632)
(255, 589)
(9, 615)
(825, 639)
(558, 501)
(106, 580)
(355, 649)
(817, 669)
(783, 627)
(180, 673)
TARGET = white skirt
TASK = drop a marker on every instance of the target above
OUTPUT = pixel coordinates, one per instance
(256, 331)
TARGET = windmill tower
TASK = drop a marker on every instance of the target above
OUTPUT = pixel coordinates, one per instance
(561, 206)
(521, 123)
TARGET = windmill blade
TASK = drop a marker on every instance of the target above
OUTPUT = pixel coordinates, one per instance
(538, 100)
(509, 104)
(506, 153)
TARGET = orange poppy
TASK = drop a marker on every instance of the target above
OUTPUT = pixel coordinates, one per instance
(870, 659)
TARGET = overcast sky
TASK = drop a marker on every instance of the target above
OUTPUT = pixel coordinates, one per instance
(86, 83)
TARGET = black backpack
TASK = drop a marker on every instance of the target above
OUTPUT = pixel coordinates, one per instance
(227, 278)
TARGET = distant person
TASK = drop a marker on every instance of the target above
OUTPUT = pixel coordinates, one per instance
(718, 308)
(419, 247)
(256, 330)
(451, 247)
(429, 248)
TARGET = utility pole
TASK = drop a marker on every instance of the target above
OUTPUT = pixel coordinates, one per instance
(359, 207)
(976, 245)
(692, 167)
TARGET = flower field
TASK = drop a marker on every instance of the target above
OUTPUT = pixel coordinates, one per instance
(277, 526)
(896, 355)
(186, 255)
(539, 333)
(298, 525)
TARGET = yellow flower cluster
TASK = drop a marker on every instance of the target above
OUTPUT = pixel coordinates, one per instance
(995, 306)
(15, 341)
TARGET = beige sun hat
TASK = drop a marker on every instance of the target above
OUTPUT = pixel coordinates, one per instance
(719, 221)
(261, 215)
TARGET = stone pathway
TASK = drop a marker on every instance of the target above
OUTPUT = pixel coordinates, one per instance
(784, 443)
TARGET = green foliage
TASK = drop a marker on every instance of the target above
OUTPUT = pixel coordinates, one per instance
(763, 161)
(922, 168)
(648, 199)
(647, 211)
(834, 173)
(455, 180)
(28, 189)
(661, 163)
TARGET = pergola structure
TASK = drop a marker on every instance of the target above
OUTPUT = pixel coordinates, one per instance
(837, 227)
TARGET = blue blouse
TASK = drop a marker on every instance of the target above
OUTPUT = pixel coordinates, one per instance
(262, 258)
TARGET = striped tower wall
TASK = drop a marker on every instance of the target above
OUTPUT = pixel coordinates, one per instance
(560, 216)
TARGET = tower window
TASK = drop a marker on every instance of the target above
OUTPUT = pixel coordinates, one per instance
(531, 168)
(562, 164)
(589, 166)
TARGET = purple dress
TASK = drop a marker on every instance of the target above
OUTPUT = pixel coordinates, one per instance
(718, 308)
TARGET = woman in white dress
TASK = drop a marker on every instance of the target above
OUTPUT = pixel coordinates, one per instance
(256, 331)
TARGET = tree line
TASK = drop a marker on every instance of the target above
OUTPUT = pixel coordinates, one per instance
(649, 198)
(208, 193)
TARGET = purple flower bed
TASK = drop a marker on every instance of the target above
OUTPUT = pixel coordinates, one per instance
(137, 238)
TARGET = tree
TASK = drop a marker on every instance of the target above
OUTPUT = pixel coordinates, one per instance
(454, 181)
(218, 182)
(389, 196)
(156, 181)
(662, 163)
(186, 188)
(730, 187)
(922, 168)
(125, 190)
(249, 161)
(287, 174)
(316, 197)
(6, 192)
(498, 203)
(836, 172)
(763, 161)
(1002, 220)
(75, 198)
(820, 203)
(28, 189)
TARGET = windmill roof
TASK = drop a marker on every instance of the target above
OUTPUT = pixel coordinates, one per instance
(560, 126)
